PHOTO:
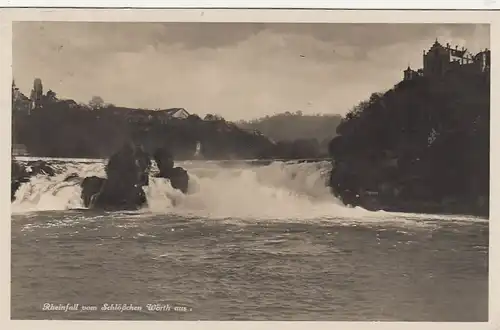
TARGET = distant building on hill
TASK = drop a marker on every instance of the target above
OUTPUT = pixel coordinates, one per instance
(178, 113)
(20, 103)
(162, 116)
(440, 60)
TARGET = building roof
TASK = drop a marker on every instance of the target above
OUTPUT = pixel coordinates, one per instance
(454, 51)
(171, 111)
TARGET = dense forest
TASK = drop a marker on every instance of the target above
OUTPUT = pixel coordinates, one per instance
(51, 127)
(421, 146)
(55, 127)
(63, 128)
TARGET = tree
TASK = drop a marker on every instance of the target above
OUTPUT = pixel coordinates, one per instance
(37, 93)
(51, 96)
(211, 117)
(38, 89)
(96, 102)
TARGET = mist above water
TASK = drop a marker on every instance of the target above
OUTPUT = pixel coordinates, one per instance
(238, 190)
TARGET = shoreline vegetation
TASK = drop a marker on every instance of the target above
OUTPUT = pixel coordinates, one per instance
(422, 147)
(45, 126)
(65, 129)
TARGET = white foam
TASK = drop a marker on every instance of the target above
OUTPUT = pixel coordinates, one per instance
(45, 193)
(278, 191)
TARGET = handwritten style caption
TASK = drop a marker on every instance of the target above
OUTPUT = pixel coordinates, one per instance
(49, 307)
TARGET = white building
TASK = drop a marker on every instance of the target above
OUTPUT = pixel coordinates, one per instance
(178, 113)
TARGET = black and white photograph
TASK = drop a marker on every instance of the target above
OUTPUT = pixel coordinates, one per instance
(250, 171)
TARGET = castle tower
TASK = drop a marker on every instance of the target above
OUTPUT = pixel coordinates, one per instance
(409, 73)
(436, 60)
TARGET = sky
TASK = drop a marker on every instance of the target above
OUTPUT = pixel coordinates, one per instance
(236, 70)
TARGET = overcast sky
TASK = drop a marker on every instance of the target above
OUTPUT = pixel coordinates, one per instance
(239, 71)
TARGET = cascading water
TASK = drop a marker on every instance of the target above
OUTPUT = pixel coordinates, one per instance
(45, 193)
(236, 190)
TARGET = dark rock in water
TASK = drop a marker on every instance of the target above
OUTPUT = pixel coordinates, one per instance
(71, 177)
(178, 176)
(40, 167)
(101, 193)
(17, 170)
(164, 159)
(21, 174)
(345, 184)
(143, 162)
(91, 187)
(117, 195)
(18, 177)
(127, 172)
(14, 185)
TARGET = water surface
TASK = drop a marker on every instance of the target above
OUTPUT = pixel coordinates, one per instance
(261, 243)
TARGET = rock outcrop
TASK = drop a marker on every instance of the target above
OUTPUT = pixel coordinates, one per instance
(91, 187)
(127, 172)
(178, 176)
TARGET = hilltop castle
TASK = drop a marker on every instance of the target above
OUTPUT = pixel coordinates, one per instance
(440, 60)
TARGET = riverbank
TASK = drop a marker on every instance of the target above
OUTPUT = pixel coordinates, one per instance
(420, 147)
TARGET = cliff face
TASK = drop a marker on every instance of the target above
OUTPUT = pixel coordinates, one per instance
(422, 146)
